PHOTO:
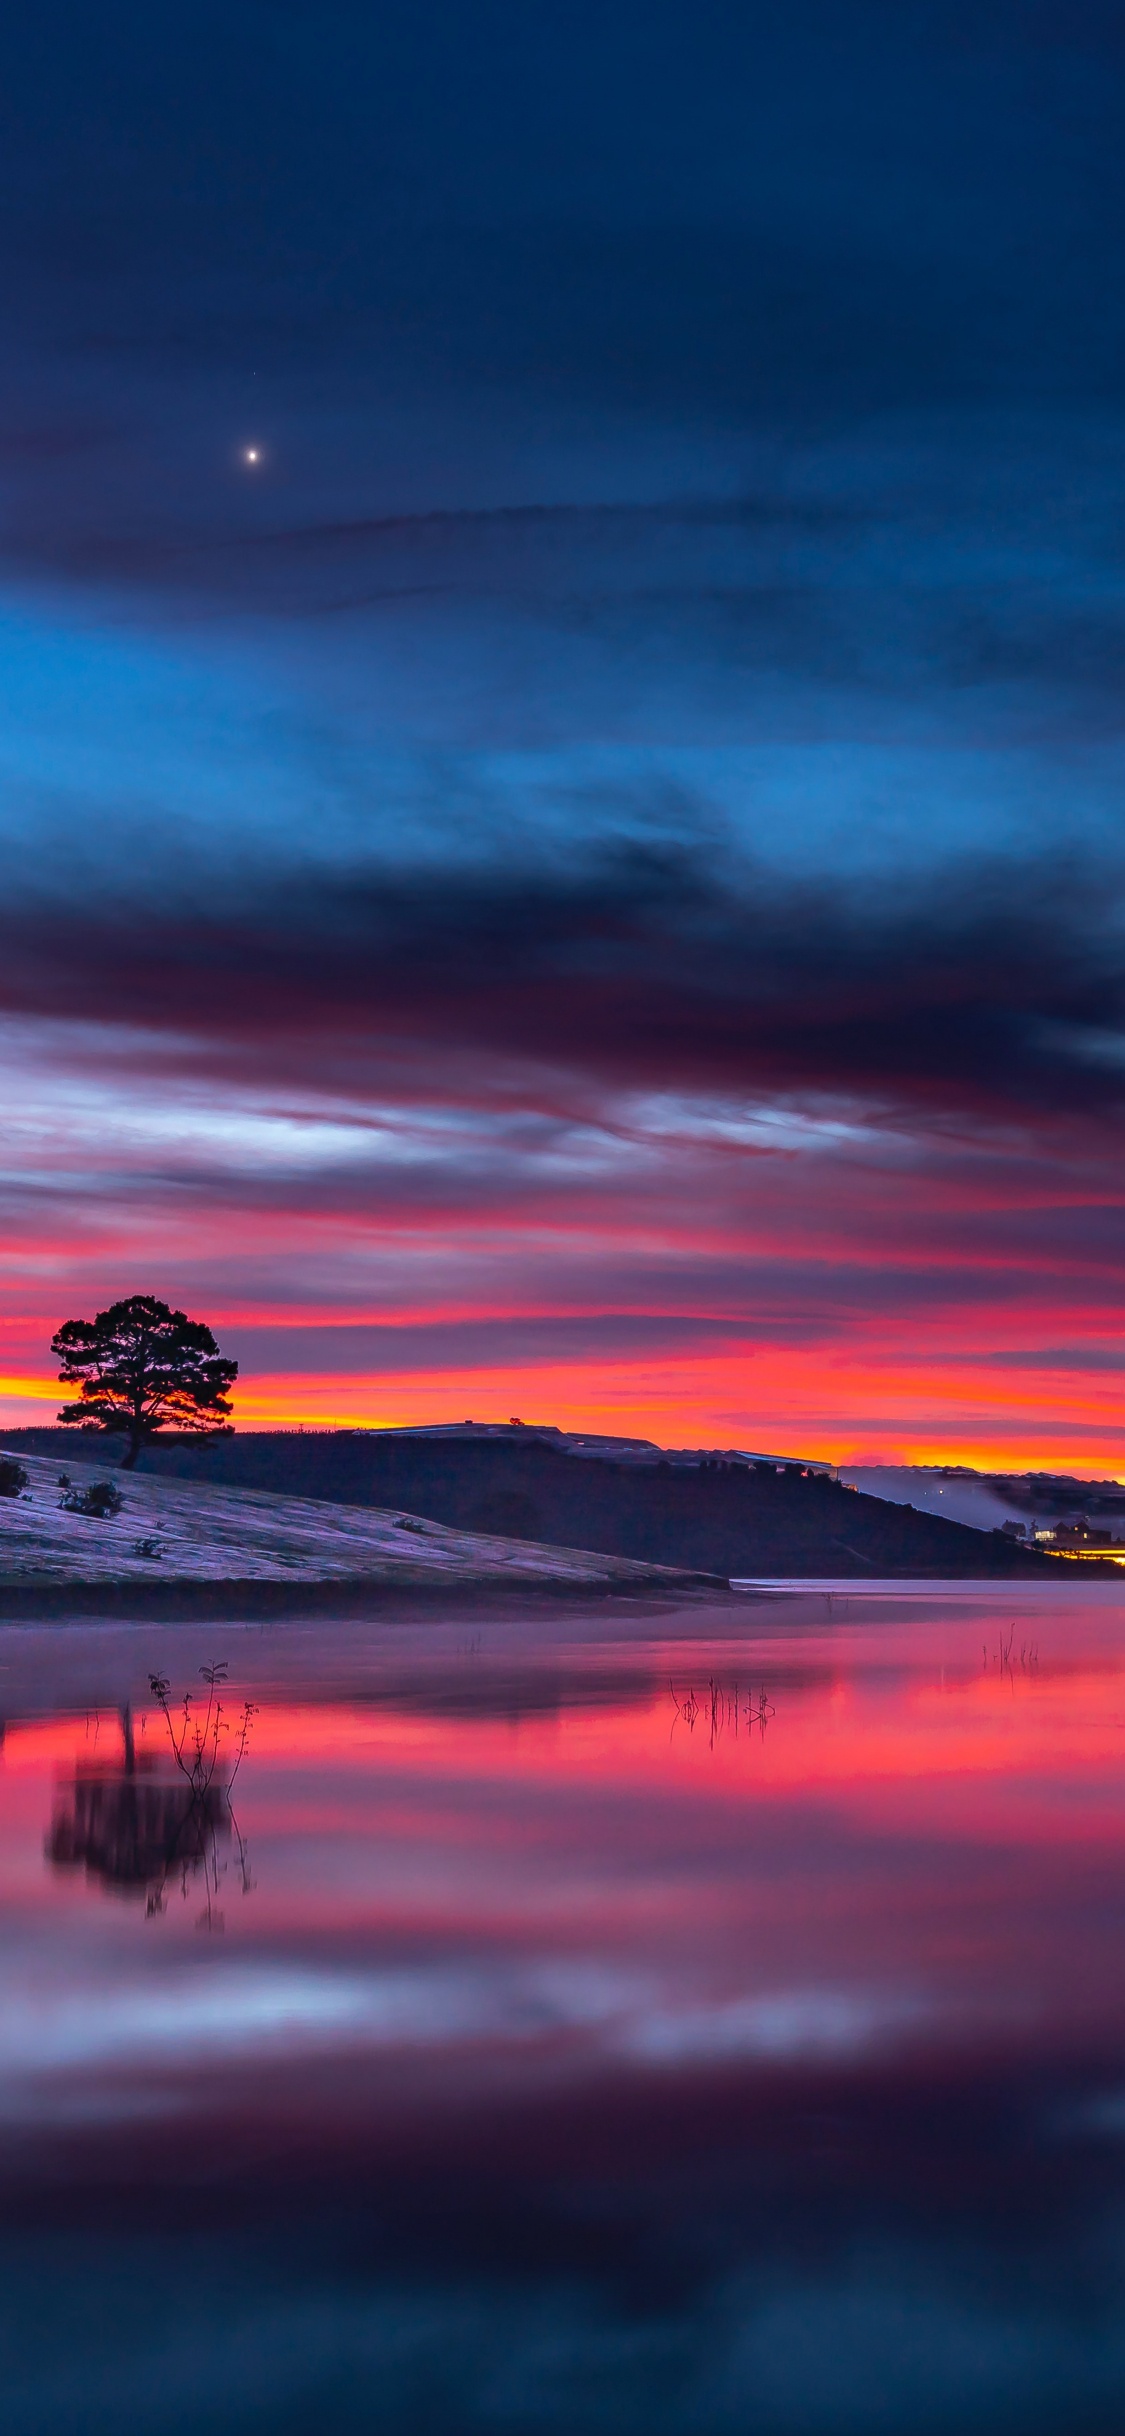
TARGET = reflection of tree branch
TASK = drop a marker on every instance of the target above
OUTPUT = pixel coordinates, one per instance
(132, 1831)
(137, 1833)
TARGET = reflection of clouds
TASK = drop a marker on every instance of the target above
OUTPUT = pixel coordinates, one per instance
(231, 2011)
(804, 2022)
(184, 2014)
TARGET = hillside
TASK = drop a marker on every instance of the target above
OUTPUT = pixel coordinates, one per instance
(717, 1518)
(179, 1530)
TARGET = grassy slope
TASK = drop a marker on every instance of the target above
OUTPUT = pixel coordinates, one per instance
(192, 1530)
(718, 1520)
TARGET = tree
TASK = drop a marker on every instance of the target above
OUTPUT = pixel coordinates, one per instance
(144, 1368)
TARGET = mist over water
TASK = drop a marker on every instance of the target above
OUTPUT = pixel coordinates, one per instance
(699, 2018)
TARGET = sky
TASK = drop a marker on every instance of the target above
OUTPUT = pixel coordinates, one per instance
(562, 628)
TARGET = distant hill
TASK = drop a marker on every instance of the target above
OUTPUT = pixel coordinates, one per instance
(987, 1500)
(717, 1516)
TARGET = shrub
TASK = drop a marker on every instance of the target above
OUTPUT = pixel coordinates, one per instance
(13, 1477)
(103, 1499)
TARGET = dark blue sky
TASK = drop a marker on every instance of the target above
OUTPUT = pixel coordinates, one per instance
(651, 709)
(717, 217)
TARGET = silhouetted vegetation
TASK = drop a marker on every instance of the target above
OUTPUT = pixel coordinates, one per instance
(102, 1500)
(196, 1742)
(143, 1368)
(139, 1830)
(723, 1709)
(13, 1477)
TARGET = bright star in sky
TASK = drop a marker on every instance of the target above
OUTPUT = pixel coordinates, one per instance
(252, 455)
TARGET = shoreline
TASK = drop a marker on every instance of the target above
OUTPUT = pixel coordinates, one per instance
(188, 1600)
(185, 1599)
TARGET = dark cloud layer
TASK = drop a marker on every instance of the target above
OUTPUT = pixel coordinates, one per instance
(993, 992)
(731, 587)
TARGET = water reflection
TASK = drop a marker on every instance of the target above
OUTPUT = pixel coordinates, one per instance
(716, 2029)
(147, 1823)
(133, 1830)
(721, 1708)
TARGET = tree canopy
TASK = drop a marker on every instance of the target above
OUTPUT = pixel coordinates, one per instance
(144, 1368)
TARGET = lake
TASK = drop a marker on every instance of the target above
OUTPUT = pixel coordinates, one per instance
(629, 2019)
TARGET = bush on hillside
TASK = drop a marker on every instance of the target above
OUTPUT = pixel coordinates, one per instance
(103, 1499)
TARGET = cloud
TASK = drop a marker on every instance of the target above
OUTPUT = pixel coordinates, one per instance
(992, 992)
(618, 829)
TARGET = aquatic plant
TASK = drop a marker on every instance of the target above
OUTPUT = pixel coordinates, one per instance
(196, 1742)
(723, 1708)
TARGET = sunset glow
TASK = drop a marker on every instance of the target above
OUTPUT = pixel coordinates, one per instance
(597, 885)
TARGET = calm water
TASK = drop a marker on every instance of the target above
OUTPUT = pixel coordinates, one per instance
(667, 2022)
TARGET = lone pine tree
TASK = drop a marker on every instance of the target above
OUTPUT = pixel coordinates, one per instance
(143, 1368)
